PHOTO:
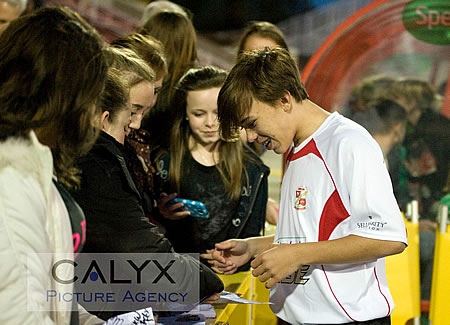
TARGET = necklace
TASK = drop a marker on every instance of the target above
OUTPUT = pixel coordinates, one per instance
(202, 155)
(205, 158)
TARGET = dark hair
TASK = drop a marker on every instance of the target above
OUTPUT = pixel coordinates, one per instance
(262, 29)
(390, 113)
(52, 70)
(148, 48)
(176, 32)
(115, 97)
(381, 117)
(231, 154)
(263, 75)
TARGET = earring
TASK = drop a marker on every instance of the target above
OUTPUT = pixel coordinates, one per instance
(187, 118)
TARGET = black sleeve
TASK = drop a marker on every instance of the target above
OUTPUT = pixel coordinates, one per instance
(257, 218)
(116, 222)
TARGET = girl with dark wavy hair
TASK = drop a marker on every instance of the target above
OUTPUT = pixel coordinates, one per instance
(53, 68)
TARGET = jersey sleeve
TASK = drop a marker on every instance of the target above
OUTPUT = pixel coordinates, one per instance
(374, 212)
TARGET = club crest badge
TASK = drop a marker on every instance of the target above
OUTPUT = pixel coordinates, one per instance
(300, 198)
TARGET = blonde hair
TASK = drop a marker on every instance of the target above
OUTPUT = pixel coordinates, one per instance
(414, 92)
(148, 48)
(132, 67)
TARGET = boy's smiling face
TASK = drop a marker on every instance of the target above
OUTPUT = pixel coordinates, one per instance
(269, 125)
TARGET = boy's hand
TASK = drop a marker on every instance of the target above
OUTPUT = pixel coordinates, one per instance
(275, 264)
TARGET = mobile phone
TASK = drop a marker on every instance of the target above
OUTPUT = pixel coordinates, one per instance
(196, 208)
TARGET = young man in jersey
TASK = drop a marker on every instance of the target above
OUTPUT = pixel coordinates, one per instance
(338, 215)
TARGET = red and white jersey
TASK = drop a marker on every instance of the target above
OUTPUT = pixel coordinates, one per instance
(336, 184)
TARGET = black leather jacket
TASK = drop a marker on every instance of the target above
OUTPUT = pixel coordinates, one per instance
(115, 221)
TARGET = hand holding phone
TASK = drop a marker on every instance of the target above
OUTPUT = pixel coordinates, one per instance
(196, 208)
(168, 209)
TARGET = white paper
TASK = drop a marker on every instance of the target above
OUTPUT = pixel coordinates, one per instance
(205, 309)
(232, 298)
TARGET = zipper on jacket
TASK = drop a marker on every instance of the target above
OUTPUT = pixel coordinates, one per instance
(261, 176)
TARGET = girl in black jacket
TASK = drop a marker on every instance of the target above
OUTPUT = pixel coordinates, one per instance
(108, 196)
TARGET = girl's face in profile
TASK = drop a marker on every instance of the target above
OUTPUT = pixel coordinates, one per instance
(142, 99)
(201, 113)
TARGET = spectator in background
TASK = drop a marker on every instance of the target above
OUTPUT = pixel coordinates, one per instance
(44, 126)
(10, 10)
(177, 34)
(259, 34)
(427, 142)
(368, 92)
(157, 6)
(228, 178)
(386, 122)
(424, 153)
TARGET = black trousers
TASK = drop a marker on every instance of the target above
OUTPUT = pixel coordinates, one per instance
(379, 321)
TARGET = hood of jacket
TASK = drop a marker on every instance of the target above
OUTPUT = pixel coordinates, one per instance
(30, 158)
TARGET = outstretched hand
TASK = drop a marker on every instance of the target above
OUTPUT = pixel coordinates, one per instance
(227, 256)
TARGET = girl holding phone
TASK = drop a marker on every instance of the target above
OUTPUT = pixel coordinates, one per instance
(227, 177)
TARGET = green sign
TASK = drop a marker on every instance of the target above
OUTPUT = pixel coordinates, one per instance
(428, 20)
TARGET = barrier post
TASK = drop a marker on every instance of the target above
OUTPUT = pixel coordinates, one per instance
(403, 273)
(440, 285)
